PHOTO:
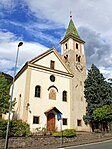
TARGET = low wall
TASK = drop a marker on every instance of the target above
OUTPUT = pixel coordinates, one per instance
(39, 142)
(25, 142)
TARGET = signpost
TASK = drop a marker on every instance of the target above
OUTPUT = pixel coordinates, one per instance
(59, 118)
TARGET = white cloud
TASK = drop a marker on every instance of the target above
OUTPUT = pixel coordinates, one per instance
(97, 50)
(6, 36)
(94, 15)
(8, 49)
(86, 12)
(106, 71)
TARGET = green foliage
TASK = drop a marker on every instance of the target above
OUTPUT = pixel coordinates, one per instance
(97, 130)
(98, 92)
(8, 78)
(16, 128)
(110, 81)
(4, 94)
(38, 129)
(65, 133)
(103, 114)
(5, 83)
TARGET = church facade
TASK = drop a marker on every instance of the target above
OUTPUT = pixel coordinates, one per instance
(51, 85)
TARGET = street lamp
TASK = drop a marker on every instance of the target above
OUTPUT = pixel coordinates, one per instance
(10, 106)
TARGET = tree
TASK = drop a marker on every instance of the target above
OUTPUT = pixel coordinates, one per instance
(8, 78)
(110, 81)
(103, 115)
(4, 95)
(5, 83)
(98, 92)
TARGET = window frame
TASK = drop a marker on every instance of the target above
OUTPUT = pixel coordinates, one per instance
(66, 58)
(52, 78)
(77, 46)
(52, 94)
(65, 121)
(52, 64)
(79, 122)
(66, 46)
(36, 119)
(37, 91)
(79, 58)
(64, 96)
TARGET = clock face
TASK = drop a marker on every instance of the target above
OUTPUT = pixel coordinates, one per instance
(79, 67)
(52, 78)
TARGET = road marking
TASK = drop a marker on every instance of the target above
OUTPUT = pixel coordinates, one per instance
(87, 144)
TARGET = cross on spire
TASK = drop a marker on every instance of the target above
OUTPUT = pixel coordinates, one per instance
(70, 14)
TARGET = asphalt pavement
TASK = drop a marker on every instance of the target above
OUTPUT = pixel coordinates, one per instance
(99, 145)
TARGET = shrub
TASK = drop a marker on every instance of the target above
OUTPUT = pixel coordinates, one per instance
(16, 128)
(97, 131)
(65, 133)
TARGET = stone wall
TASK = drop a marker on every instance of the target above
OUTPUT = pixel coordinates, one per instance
(49, 142)
(27, 142)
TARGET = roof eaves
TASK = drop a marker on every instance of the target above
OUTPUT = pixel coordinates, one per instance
(41, 55)
(74, 37)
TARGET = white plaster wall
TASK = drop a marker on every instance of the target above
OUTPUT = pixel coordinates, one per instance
(70, 43)
(82, 46)
(46, 62)
(19, 88)
(40, 105)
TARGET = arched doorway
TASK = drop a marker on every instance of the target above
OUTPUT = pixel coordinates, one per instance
(51, 122)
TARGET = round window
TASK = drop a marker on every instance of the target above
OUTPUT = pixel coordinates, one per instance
(52, 78)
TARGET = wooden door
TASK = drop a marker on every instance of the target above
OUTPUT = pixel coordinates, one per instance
(51, 122)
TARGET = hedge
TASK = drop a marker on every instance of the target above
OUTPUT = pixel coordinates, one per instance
(16, 128)
(65, 133)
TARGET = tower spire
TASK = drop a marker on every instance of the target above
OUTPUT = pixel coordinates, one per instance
(72, 31)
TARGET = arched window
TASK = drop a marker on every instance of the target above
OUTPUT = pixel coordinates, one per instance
(52, 64)
(52, 94)
(76, 45)
(66, 47)
(66, 58)
(76, 57)
(37, 91)
(64, 96)
(79, 58)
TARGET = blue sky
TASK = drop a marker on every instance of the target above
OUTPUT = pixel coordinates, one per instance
(42, 24)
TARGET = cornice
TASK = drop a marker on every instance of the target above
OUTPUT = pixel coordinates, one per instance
(49, 69)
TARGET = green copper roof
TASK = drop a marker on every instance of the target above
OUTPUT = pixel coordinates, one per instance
(72, 32)
(71, 29)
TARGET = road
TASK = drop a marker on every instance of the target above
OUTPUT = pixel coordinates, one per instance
(101, 145)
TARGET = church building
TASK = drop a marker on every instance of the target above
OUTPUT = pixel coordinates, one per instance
(52, 85)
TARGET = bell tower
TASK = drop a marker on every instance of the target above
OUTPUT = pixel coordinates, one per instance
(72, 51)
(72, 43)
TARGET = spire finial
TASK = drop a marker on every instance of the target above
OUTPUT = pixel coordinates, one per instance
(70, 14)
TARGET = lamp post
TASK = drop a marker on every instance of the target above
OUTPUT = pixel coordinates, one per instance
(10, 106)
